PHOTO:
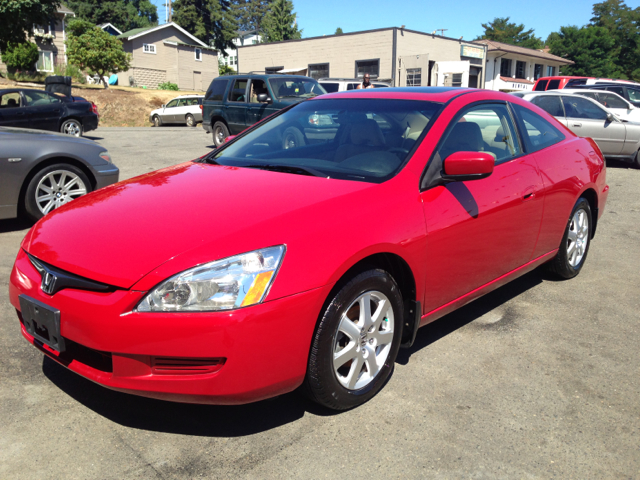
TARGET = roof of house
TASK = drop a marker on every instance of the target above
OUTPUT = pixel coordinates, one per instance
(105, 25)
(138, 32)
(64, 9)
(173, 42)
(505, 47)
(516, 80)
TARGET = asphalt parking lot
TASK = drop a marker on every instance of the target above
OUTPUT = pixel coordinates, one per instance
(539, 379)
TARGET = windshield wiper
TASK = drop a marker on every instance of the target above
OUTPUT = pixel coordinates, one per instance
(288, 169)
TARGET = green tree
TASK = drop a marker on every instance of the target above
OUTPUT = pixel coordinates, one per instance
(20, 56)
(91, 48)
(17, 18)
(338, 31)
(623, 23)
(211, 21)
(501, 30)
(123, 14)
(591, 48)
(224, 69)
(280, 22)
(250, 13)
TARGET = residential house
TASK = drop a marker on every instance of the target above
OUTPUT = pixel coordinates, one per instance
(168, 53)
(396, 55)
(244, 38)
(511, 68)
(110, 29)
(50, 40)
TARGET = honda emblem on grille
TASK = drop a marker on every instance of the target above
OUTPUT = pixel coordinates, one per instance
(48, 283)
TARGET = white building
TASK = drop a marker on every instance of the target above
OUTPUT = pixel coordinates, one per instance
(511, 68)
(231, 54)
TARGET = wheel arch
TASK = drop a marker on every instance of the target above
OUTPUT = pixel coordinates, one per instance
(218, 118)
(52, 160)
(591, 196)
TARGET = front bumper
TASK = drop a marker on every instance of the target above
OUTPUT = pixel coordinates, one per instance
(265, 347)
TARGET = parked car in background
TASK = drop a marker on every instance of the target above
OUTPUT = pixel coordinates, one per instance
(42, 171)
(332, 85)
(630, 92)
(557, 82)
(587, 118)
(612, 101)
(183, 110)
(28, 108)
(234, 102)
(270, 267)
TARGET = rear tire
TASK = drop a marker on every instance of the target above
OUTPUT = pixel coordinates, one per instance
(575, 242)
(220, 132)
(356, 342)
(52, 187)
(71, 127)
(191, 122)
(636, 162)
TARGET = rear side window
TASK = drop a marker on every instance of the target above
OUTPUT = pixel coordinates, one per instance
(578, 107)
(330, 87)
(550, 104)
(239, 91)
(537, 133)
(216, 91)
(634, 95)
(618, 90)
(553, 85)
(541, 86)
(352, 86)
(610, 100)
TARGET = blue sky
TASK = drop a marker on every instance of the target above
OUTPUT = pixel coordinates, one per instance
(461, 18)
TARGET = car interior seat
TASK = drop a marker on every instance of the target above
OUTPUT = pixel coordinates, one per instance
(465, 137)
(363, 137)
(11, 103)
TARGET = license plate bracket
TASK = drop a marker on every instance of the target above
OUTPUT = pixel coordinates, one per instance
(42, 322)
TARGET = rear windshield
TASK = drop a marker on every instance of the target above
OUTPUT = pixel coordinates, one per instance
(352, 139)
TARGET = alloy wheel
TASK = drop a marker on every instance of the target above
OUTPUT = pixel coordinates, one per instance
(72, 128)
(57, 188)
(578, 237)
(363, 340)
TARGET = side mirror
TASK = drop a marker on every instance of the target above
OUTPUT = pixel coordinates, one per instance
(463, 166)
(610, 117)
(164, 106)
(264, 98)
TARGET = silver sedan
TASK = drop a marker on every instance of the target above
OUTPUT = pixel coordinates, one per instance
(587, 118)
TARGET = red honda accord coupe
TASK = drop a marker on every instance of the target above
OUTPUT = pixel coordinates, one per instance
(267, 264)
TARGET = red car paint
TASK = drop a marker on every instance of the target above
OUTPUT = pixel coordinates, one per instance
(459, 242)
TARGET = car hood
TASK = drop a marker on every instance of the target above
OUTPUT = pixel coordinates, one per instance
(120, 233)
(30, 135)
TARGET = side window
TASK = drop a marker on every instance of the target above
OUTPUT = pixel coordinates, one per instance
(634, 95)
(40, 98)
(10, 100)
(610, 100)
(483, 128)
(172, 103)
(578, 107)
(536, 131)
(216, 90)
(352, 86)
(618, 90)
(330, 87)
(239, 91)
(550, 104)
(257, 87)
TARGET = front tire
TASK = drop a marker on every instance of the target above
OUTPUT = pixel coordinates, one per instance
(191, 122)
(157, 121)
(71, 127)
(575, 242)
(220, 132)
(636, 162)
(292, 138)
(356, 342)
(52, 187)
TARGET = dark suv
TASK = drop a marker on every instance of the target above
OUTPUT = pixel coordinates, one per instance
(234, 102)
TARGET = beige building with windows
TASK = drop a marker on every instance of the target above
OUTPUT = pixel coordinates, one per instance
(168, 53)
(396, 55)
(511, 68)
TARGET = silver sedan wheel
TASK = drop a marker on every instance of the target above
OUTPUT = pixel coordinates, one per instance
(578, 237)
(57, 188)
(72, 127)
(363, 340)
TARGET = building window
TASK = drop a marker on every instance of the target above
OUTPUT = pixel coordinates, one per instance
(273, 69)
(414, 77)
(45, 62)
(148, 48)
(521, 69)
(537, 71)
(551, 71)
(198, 52)
(319, 70)
(456, 80)
(372, 67)
(505, 67)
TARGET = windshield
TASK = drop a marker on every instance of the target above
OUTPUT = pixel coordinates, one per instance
(354, 139)
(295, 87)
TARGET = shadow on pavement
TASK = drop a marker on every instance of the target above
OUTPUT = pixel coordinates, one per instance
(232, 421)
(15, 224)
(611, 163)
(92, 138)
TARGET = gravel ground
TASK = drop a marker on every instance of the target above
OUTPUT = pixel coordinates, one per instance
(539, 379)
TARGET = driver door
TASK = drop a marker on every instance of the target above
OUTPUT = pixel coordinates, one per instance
(479, 230)
(168, 115)
(12, 111)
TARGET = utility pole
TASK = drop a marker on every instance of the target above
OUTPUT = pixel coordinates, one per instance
(167, 16)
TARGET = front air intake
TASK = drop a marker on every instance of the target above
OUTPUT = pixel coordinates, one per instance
(185, 366)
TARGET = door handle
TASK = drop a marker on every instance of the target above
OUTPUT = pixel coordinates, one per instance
(576, 124)
(529, 194)
(57, 110)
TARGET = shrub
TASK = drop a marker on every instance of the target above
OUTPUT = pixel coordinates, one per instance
(72, 71)
(33, 77)
(21, 56)
(167, 86)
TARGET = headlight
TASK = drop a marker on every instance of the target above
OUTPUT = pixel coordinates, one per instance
(225, 284)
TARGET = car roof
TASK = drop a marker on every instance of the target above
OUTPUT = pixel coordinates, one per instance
(263, 75)
(189, 96)
(433, 94)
